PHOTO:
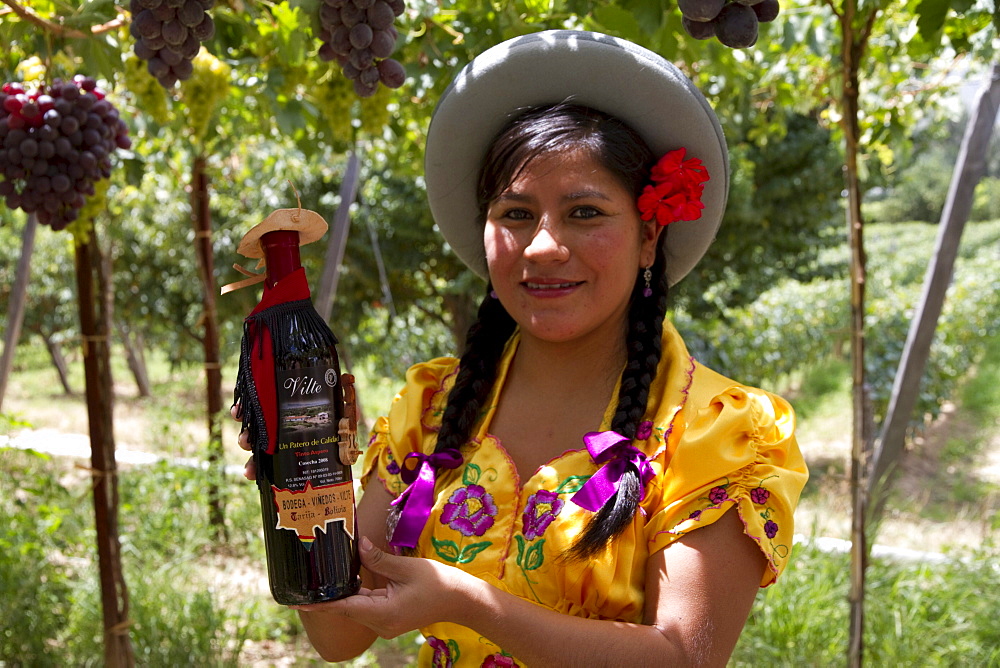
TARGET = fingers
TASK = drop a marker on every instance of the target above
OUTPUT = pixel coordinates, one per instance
(250, 470)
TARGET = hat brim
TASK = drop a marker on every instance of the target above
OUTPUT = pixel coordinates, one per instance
(309, 224)
(609, 74)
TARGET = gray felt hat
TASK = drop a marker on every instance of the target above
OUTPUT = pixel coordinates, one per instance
(595, 70)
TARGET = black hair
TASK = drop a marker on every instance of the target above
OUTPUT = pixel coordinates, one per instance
(536, 132)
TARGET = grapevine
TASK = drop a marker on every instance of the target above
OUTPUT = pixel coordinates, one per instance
(56, 142)
(169, 34)
(208, 85)
(733, 22)
(148, 94)
(360, 36)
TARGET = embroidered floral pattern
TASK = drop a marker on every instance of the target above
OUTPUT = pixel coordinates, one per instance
(770, 528)
(718, 495)
(644, 431)
(445, 653)
(499, 660)
(543, 506)
(393, 466)
(759, 495)
(470, 510)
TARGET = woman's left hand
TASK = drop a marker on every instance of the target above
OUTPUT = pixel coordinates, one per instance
(418, 592)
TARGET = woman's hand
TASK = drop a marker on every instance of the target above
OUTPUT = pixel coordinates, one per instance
(250, 470)
(417, 593)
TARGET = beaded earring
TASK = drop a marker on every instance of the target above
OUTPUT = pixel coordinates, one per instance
(647, 276)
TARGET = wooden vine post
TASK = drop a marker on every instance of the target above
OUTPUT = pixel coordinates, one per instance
(201, 218)
(94, 329)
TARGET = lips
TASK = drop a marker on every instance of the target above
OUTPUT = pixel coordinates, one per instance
(533, 285)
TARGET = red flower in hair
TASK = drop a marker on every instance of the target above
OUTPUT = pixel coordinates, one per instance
(675, 193)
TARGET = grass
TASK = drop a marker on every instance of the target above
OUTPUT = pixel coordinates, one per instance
(199, 602)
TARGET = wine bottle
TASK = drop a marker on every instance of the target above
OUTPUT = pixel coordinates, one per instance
(306, 487)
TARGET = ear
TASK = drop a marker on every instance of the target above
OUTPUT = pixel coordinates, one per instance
(650, 232)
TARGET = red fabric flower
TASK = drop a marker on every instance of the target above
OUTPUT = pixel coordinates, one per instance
(675, 193)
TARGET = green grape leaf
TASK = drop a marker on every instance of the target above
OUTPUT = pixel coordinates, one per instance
(469, 552)
(534, 557)
(446, 549)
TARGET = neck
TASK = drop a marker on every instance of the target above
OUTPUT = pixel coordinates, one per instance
(558, 370)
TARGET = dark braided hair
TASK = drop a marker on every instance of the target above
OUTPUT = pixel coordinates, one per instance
(536, 132)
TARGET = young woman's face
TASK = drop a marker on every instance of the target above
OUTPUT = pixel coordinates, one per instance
(564, 244)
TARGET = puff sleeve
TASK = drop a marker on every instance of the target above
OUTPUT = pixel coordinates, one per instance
(732, 445)
(411, 424)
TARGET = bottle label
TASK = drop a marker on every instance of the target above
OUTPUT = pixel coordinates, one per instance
(312, 488)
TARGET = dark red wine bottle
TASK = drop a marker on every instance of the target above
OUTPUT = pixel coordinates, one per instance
(306, 491)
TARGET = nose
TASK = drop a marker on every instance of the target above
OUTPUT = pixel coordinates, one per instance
(546, 244)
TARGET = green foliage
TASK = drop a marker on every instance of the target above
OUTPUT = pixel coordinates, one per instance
(916, 614)
(782, 210)
(794, 325)
(181, 614)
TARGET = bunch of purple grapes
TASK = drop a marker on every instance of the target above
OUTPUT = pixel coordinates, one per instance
(55, 143)
(360, 36)
(732, 22)
(169, 34)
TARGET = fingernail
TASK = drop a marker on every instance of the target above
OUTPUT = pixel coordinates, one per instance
(366, 544)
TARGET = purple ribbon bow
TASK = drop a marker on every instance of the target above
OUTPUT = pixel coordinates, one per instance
(615, 452)
(418, 499)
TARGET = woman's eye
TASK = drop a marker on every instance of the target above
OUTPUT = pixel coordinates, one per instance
(516, 214)
(586, 212)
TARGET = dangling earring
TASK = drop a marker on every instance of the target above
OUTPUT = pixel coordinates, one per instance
(647, 276)
(493, 294)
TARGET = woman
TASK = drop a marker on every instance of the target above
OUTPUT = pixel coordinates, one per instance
(576, 490)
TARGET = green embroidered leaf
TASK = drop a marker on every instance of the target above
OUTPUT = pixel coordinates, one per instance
(534, 557)
(471, 474)
(446, 549)
(520, 548)
(572, 484)
(469, 552)
(453, 650)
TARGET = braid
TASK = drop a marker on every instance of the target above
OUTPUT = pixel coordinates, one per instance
(477, 371)
(643, 346)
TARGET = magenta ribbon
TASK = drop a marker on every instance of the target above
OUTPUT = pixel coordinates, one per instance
(418, 499)
(615, 452)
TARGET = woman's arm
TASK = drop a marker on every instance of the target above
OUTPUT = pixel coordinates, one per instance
(699, 592)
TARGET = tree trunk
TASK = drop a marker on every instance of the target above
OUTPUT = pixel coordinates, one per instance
(969, 169)
(15, 309)
(201, 218)
(852, 49)
(99, 391)
(135, 358)
(58, 361)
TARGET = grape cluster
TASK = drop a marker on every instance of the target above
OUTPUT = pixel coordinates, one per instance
(55, 144)
(360, 36)
(169, 34)
(732, 22)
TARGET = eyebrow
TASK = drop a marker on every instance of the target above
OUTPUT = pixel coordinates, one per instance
(571, 197)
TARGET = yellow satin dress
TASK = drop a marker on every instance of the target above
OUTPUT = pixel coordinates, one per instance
(712, 443)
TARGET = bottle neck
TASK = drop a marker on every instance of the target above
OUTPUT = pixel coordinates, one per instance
(281, 253)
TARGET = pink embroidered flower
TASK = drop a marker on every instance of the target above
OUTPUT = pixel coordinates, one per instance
(675, 193)
(717, 495)
(470, 510)
(543, 506)
(644, 431)
(442, 653)
(499, 660)
(759, 495)
(770, 528)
